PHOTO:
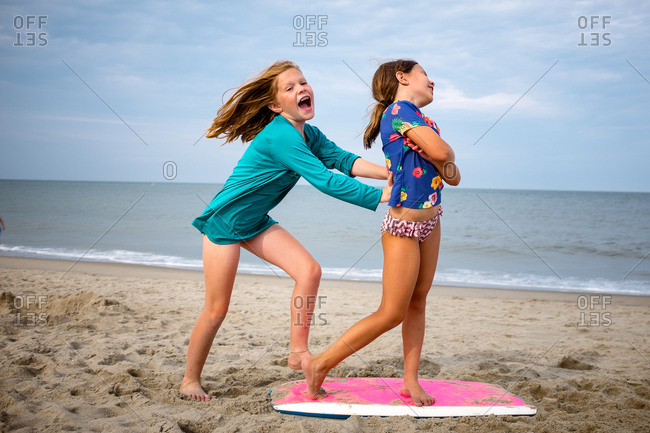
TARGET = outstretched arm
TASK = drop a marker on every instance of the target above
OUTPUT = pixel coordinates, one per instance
(435, 150)
(363, 168)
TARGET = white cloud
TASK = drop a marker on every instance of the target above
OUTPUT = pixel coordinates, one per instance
(452, 98)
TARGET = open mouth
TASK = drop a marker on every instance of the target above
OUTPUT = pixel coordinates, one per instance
(305, 102)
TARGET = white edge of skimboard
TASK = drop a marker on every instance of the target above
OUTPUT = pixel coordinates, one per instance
(344, 410)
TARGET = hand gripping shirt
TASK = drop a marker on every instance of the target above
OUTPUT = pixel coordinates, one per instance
(269, 168)
(416, 182)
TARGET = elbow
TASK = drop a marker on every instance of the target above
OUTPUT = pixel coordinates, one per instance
(455, 181)
(451, 174)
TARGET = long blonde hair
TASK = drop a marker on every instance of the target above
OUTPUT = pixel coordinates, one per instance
(246, 113)
(384, 89)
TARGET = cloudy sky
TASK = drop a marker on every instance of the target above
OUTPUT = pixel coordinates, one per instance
(531, 94)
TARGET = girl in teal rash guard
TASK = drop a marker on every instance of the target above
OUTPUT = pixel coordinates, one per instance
(271, 111)
(271, 166)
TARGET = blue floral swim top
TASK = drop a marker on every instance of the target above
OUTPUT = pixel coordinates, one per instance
(416, 182)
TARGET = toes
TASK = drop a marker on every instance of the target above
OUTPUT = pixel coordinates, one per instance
(195, 395)
(319, 395)
(201, 397)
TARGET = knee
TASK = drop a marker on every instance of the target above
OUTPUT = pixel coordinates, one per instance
(214, 316)
(395, 319)
(418, 305)
(389, 319)
(310, 273)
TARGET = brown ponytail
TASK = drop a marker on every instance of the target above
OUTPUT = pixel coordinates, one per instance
(384, 89)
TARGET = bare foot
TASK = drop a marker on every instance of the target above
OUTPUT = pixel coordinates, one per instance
(295, 359)
(193, 391)
(314, 376)
(417, 394)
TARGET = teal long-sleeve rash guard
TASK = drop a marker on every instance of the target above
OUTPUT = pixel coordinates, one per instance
(270, 167)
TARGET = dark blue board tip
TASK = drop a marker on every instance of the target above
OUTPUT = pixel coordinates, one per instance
(313, 415)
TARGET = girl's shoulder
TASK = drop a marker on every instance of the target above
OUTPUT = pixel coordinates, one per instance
(312, 131)
(402, 111)
(404, 115)
(278, 127)
(402, 105)
(281, 130)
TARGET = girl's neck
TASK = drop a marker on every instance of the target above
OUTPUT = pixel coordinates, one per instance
(403, 95)
(300, 126)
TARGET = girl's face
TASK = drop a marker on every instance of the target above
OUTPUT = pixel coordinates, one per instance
(420, 86)
(294, 98)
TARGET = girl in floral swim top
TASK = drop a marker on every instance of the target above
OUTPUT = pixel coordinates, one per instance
(419, 160)
(416, 182)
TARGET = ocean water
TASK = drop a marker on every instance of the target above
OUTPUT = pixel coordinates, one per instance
(543, 240)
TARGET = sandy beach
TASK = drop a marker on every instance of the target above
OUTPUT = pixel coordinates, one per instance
(99, 347)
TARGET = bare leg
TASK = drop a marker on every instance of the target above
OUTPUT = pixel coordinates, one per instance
(219, 268)
(414, 321)
(401, 265)
(279, 247)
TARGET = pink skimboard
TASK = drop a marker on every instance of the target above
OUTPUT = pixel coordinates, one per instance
(381, 397)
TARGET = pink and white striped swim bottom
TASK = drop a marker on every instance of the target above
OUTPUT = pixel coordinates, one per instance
(411, 229)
